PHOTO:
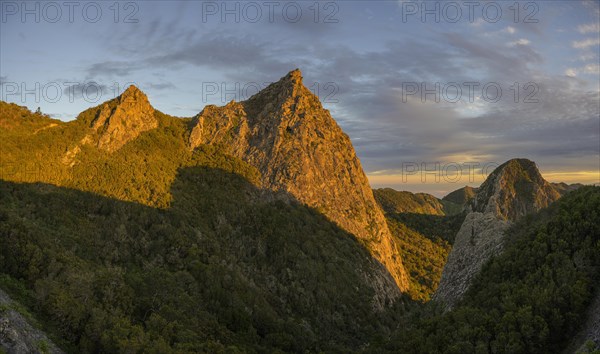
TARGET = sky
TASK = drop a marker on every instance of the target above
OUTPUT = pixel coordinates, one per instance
(434, 95)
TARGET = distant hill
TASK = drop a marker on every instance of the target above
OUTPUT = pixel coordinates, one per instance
(393, 201)
(461, 196)
(424, 232)
(564, 188)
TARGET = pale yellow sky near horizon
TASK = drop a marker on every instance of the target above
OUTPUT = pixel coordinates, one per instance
(440, 186)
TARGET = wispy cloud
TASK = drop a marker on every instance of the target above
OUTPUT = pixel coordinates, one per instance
(589, 28)
(521, 41)
(571, 72)
(111, 68)
(592, 69)
(586, 43)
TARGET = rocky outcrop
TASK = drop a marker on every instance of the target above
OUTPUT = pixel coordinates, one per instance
(297, 146)
(123, 119)
(479, 238)
(513, 190)
(17, 335)
(116, 123)
(590, 332)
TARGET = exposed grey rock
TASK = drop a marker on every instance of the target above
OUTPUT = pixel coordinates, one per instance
(514, 189)
(590, 330)
(479, 238)
(17, 335)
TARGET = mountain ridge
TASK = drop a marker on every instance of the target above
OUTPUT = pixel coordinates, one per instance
(283, 131)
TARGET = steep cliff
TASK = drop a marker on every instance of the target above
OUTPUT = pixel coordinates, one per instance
(297, 146)
(513, 190)
(123, 119)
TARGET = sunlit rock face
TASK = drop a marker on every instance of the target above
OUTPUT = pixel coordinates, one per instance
(298, 147)
(130, 115)
(513, 190)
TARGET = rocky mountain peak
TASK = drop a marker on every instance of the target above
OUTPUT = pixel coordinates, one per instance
(123, 119)
(514, 189)
(285, 133)
(286, 93)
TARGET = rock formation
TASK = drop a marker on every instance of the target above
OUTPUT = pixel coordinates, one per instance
(514, 189)
(297, 146)
(17, 335)
(123, 119)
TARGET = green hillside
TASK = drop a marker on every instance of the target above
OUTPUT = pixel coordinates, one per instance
(425, 228)
(530, 299)
(158, 248)
(218, 271)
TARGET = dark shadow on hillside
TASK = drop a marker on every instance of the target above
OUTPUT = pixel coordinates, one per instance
(228, 262)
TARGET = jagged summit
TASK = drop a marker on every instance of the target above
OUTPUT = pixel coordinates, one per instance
(514, 189)
(123, 119)
(133, 90)
(294, 76)
(286, 92)
(285, 133)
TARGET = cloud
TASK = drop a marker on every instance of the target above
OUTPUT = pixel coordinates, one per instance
(586, 43)
(593, 6)
(521, 41)
(588, 56)
(385, 130)
(89, 90)
(589, 28)
(111, 68)
(592, 69)
(161, 86)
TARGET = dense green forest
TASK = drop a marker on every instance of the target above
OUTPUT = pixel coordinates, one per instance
(530, 299)
(219, 271)
(423, 257)
(425, 227)
(114, 276)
